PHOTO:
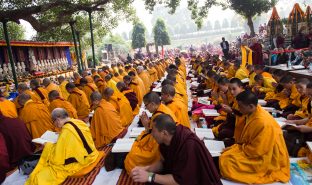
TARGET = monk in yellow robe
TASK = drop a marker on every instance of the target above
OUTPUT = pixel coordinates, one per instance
(62, 86)
(54, 165)
(106, 124)
(88, 77)
(137, 80)
(79, 100)
(130, 95)
(135, 87)
(22, 88)
(57, 102)
(259, 70)
(144, 76)
(50, 86)
(229, 70)
(35, 115)
(241, 72)
(264, 85)
(179, 109)
(94, 73)
(40, 93)
(261, 156)
(7, 108)
(88, 88)
(304, 100)
(77, 78)
(180, 91)
(110, 83)
(145, 150)
(100, 83)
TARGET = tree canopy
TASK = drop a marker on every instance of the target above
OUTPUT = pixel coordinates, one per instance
(138, 36)
(161, 36)
(16, 32)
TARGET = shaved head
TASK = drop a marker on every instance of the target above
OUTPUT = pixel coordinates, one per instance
(46, 82)
(23, 98)
(96, 96)
(22, 87)
(53, 95)
(107, 93)
(120, 86)
(34, 83)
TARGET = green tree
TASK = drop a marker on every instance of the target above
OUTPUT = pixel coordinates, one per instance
(138, 36)
(161, 36)
(16, 31)
(250, 8)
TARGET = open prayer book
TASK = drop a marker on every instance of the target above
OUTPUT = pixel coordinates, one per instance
(283, 124)
(210, 112)
(123, 145)
(215, 147)
(262, 102)
(298, 67)
(136, 131)
(204, 133)
(204, 100)
(48, 136)
(309, 143)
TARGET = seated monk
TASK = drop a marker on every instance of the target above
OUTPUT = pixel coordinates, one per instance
(106, 124)
(57, 102)
(35, 115)
(264, 87)
(179, 109)
(88, 77)
(7, 108)
(304, 100)
(100, 83)
(260, 156)
(241, 71)
(135, 87)
(73, 151)
(136, 79)
(88, 88)
(40, 93)
(22, 88)
(145, 151)
(79, 100)
(17, 139)
(110, 82)
(63, 82)
(130, 95)
(50, 86)
(77, 78)
(144, 77)
(121, 104)
(184, 158)
(259, 70)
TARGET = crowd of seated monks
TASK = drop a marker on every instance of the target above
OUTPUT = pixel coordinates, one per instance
(167, 151)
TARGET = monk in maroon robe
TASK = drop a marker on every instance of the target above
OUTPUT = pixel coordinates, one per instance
(257, 55)
(4, 159)
(17, 139)
(129, 94)
(184, 158)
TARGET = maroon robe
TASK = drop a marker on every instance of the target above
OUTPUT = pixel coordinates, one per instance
(257, 55)
(4, 159)
(188, 159)
(17, 139)
(132, 98)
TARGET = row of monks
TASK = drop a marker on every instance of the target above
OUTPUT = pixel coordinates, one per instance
(113, 96)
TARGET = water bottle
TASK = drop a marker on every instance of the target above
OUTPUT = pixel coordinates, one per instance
(310, 67)
(203, 122)
(274, 113)
(288, 64)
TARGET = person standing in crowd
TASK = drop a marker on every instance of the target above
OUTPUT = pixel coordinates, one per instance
(225, 47)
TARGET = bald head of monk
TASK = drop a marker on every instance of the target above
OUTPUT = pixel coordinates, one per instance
(167, 82)
(121, 86)
(53, 95)
(96, 98)
(108, 93)
(172, 78)
(60, 79)
(83, 82)
(84, 73)
(164, 129)
(96, 78)
(76, 75)
(127, 79)
(22, 87)
(108, 77)
(167, 93)
(34, 83)
(70, 87)
(93, 71)
(140, 69)
(59, 117)
(46, 82)
(131, 74)
(151, 101)
(23, 98)
(247, 102)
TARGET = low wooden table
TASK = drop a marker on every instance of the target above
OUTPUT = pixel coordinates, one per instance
(304, 73)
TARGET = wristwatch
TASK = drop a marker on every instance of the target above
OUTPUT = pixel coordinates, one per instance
(150, 177)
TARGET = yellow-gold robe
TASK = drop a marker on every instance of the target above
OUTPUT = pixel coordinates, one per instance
(63, 90)
(62, 103)
(51, 168)
(180, 110)
(80, 102)
(8, 108)
(261, 156)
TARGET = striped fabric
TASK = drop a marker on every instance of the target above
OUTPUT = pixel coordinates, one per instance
(89, 178)
(125, 179)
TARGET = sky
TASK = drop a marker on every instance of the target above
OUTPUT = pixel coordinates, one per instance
(146, 17)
